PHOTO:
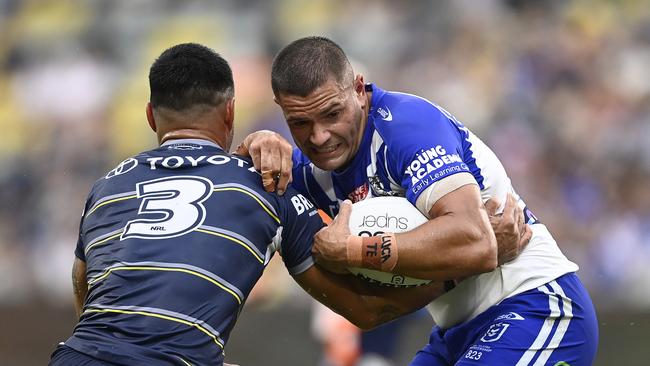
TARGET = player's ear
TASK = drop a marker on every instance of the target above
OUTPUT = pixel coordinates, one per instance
(359, 85)
(360, 89)
(150, 118)
(230, 114)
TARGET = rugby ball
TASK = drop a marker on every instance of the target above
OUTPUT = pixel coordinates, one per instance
(376, 216)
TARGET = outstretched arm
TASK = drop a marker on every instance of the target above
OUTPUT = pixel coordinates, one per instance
(362, 303)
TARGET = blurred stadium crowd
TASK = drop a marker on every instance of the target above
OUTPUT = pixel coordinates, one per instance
(559, 89)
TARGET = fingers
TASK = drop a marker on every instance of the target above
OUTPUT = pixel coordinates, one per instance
(268, 180)
(519, 217)
(343, 218)
(271, 155)
(519, 223)
(269, 165)
(286, 164)
(526, 235)
(491, 206)
(250, 149)
(511, 205)
(242, 149)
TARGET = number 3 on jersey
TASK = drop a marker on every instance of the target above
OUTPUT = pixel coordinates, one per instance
(175, 203)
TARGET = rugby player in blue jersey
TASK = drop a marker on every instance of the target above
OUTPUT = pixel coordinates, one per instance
(357, 141)
(173, 239)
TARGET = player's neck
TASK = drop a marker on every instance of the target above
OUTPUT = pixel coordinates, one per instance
(366, 109)
(364, 119)
(206, 122)
(189, 133)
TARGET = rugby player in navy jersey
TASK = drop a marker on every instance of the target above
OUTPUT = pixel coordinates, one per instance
(173, 239)
(507, 303)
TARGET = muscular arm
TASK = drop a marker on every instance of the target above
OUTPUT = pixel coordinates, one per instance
(457, 242)
(79, 284)
(362, 303)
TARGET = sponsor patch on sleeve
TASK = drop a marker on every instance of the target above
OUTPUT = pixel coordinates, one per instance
(431, 165)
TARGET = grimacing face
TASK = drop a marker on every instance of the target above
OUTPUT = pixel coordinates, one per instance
(327, 125)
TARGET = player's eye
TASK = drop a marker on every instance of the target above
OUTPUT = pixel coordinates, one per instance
(299, 123)
(333, 114)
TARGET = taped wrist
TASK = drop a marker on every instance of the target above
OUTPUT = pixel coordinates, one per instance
(376, 252)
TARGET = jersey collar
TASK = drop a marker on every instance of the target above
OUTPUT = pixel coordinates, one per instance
(377, 94)
(191, 141)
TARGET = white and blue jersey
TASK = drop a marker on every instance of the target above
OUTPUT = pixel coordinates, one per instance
(413, 148)
(554, 324)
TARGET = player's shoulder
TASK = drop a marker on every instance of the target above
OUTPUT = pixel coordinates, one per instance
(171, 161)
(122, 168)
(397, 114)
(400, 107)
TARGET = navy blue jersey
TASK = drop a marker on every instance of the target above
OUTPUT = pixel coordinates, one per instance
(174, 240)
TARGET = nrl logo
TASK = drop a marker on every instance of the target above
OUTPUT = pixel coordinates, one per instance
(495, 332)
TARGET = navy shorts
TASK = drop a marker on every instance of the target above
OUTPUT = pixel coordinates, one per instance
(554, 324)
(66, 356)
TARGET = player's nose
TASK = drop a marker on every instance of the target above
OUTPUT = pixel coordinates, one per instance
(319, 135)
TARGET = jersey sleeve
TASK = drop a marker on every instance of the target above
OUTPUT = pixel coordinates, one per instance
(300, 221)
(426, 144)
(79, 250)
